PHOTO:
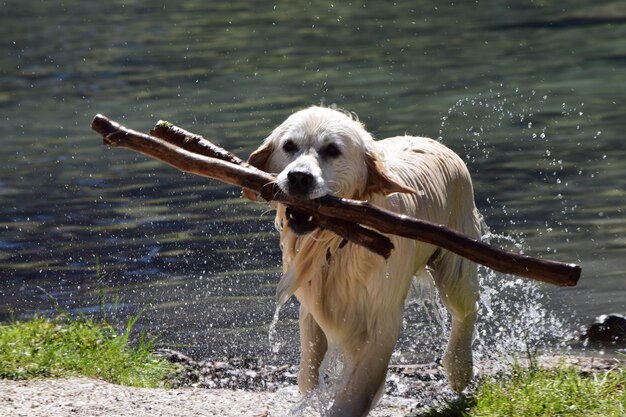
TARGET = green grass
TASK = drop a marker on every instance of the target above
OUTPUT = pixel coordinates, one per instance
(544, 393)
(65, 346)
(553, 393)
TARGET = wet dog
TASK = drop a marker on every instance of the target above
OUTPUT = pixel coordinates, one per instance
(351, 299)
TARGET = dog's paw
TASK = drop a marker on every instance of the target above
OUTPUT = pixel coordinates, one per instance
(459, 369)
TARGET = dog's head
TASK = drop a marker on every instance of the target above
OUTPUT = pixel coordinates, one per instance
(320, 151)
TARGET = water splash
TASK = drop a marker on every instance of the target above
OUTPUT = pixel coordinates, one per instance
(515, 319)
(520, 135)
(423, 293)
(274, 342)
(321, 398)
(514, 316)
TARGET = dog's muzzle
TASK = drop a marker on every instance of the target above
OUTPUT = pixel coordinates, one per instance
(300, 183)
(300, 223)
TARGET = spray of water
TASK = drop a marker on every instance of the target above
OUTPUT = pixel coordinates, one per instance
(274, 342)
(321, 399)
(515, 319)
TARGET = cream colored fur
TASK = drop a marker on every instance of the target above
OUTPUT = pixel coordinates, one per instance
(351, 298)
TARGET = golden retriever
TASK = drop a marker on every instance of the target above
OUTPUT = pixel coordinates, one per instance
(351, 299)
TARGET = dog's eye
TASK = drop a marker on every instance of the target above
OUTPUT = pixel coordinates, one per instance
(331, 151)
(290, 147)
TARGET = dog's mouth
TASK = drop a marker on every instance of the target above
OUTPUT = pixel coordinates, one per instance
(300, 223)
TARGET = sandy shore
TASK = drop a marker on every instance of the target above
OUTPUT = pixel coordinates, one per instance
(88, 397)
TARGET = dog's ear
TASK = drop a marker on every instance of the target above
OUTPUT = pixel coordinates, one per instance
(378, 181)
(259, 159)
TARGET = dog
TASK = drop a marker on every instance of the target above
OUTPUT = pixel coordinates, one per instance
(351, 299)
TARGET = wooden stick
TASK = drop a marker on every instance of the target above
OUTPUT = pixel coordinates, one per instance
(192, 153)
(552, 272)
(242, 175)
(194, 143)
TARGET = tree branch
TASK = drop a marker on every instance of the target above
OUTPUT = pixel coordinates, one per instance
(195, 143)
(552, 272)
(192, 153)
(172, 151)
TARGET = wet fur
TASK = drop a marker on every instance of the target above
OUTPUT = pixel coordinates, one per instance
(350, 298)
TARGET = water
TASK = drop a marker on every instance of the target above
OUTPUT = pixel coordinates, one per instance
(536, 110)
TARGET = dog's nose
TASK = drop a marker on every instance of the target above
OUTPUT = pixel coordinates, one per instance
(300, 182)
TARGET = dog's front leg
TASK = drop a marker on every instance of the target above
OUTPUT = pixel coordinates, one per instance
(313, 347)
(363, 380)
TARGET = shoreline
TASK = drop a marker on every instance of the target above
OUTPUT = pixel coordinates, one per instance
(79, 396)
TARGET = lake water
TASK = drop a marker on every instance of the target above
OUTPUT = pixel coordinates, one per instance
(531, 94)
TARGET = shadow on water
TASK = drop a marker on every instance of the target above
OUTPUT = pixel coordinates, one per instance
(536, 111)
